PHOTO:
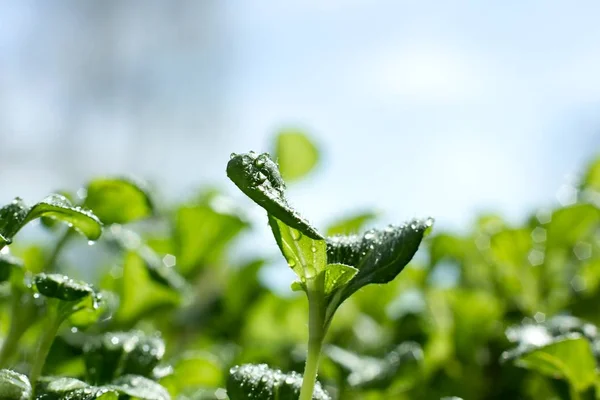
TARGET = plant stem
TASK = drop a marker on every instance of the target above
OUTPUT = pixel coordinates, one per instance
(22, 316)
(60, 244)
(45, 341)
(316, 334)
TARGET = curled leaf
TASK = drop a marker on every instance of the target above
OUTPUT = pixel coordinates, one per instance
(257, 175)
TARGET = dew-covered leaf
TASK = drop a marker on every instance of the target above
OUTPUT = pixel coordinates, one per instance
(12, 219)
(337, 275)
(61, 287)
(350, 225)
(118, 200)
(116, 353)
(305, 255)
(296, 154)
(379, 255)
(258, 177)
(568, 357)
(63, 388)
(370, 373)
(60, 208)
(259, 382)
(14, 386)
(139, 387)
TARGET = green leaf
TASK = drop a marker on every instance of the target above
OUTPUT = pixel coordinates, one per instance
(118, 200)
(296, 154)
(337, 275)
(7, 263)
(572, 224)
(379, 255)
(591, 179)
(12, 219)
(373, 373)
(306, 256)
(139, 387)
(204, 230)
(259, 382)
(91, 309)
(59, 388)
(60, 208)
(17, 214)
(259, 178)
(351, 225)
(14, 386)
(116, 353)
(568, 357)
(61, 287)
(194, 370)
(148, 292)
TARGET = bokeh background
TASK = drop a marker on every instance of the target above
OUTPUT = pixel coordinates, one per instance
(420, 108)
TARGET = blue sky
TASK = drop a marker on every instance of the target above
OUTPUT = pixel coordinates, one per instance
(421, 108)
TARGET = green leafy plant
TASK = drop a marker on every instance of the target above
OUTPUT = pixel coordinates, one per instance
(331, 269)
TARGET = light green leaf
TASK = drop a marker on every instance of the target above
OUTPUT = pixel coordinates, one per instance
(568, 357)
(139, 387)
(59, 388)
(118, 200)
(306, 256)
(351, 225)
(259, 382)
(204, 230)
(14, 386)
(591, 179)
(379, 255)
(296, 154)
(146, 295)
(259, 178)
(192, 371)
(338, 275)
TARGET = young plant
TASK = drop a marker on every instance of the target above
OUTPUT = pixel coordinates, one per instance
(329, 269)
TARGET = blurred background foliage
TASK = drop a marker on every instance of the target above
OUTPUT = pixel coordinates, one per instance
(462, 319)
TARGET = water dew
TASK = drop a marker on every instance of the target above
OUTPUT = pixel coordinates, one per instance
(232, 155)
(292, 263)
(296, 234)
(91, 242)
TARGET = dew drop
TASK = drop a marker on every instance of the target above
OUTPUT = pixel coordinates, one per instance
(91, 242)
(313, 249)
(232, 155)
(296, 234)
(292, 263)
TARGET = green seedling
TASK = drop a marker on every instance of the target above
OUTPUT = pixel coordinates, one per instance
(330, 269)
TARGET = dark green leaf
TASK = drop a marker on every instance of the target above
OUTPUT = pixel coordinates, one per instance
(568, 357)
(118, 200)
(306, 256)
(379, 255)
(351, 225)
(368, 372)
(296, 154)
(259, 382)
(115, 353)
(14, 386)
(139, 387)
(259, 178)
(61, 388)
(12, 219)
(60, 208)
(61, 287)
(7, 264)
